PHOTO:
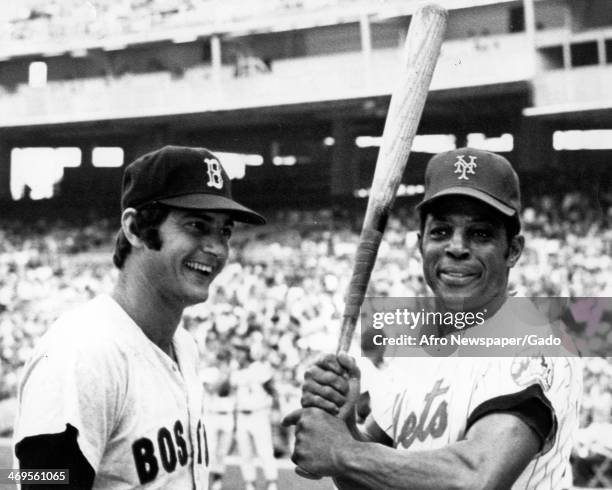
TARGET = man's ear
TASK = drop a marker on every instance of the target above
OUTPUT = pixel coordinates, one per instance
(515, 249)
(128, 226)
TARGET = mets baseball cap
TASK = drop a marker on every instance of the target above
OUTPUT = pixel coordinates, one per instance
(182, 177)
(480, 174)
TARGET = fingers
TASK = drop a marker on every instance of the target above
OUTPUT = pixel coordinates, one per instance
(292, 418)
(304, 474)
(336, 382)
(329, 362)
(324, 389)
(326, 383)
(310, 400)
(348, 363)
(297, 457)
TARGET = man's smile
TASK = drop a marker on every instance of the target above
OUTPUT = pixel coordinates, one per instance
(457, 276)
(200, 267)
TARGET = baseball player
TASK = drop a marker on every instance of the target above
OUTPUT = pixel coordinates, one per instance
(111, 392)
(219, 413)
(452, 422)
(252, 384)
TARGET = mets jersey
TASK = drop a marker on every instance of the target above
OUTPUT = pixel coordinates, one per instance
(432, 402)
(138, 413)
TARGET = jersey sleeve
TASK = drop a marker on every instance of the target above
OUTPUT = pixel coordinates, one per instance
(76, 380)
(541, 391)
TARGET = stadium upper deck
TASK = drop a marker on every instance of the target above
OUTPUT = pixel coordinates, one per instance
(108, 60)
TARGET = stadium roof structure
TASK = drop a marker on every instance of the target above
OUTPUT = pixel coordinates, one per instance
(594, 114)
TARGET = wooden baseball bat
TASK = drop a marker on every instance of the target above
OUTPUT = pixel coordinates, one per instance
(421, 52)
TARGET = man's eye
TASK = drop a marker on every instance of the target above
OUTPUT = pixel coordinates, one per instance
(438, 232)
(482, 234)
(196, 226)
(226, 232)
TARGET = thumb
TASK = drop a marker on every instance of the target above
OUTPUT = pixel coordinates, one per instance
(304, 474)
(347, 411)
(292, 418)
(348, 363)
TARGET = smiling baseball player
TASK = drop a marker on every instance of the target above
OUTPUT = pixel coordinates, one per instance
(452, 422)
(111, 392)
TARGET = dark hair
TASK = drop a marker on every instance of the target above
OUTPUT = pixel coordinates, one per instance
(146, 226)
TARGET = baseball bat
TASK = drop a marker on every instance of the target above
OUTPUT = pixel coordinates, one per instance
(420, 55)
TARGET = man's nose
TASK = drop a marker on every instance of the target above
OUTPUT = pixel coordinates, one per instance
(457, 246)
(216, 245)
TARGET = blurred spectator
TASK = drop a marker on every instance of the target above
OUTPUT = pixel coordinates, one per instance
(283, 291)
(74, 20)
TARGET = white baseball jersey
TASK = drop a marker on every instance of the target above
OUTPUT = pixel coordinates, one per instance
(432, 402)
(138, 413)
(219, 412)
(253, 426)
(248, 383)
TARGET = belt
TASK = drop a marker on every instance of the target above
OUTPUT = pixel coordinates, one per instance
(248, 412)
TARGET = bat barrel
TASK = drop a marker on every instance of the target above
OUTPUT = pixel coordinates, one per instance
(421, 52)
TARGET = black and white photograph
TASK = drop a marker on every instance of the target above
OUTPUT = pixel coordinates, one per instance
(306, 244)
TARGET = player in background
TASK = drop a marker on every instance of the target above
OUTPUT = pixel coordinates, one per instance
(453, 422)
(111, 392)
(219, 414)
(254, 390)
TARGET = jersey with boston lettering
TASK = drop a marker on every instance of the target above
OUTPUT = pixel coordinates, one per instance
(137, 412)
(431, 402)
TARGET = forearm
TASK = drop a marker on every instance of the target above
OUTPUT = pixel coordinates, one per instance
(375, 466)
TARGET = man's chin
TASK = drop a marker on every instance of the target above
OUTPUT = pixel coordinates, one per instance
(200, 295)
(462, 300)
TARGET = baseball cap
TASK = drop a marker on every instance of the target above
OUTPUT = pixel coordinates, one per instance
(480, 174)
(183, 177)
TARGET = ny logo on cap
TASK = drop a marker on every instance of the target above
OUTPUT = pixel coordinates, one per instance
(462, 167)
(215, 178)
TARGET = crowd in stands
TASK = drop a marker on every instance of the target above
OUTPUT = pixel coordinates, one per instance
(282, 292)
(41, 20)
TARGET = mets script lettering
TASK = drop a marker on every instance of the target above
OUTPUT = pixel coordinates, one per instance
(425, 426)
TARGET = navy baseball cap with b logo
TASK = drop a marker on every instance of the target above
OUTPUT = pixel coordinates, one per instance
(183, 177)
(480, 174)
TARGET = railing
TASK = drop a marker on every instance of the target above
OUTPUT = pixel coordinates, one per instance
(589, 85)
(555, 37)
(83, 25)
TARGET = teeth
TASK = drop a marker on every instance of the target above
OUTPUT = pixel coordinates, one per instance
(199, 267)
(457, 274)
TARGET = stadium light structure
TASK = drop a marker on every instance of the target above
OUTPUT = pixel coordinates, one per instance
(592, 139)
(235, 163)
(423, 143)
(502, 143)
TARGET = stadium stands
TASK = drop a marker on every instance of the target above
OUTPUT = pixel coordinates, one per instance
(283, 290)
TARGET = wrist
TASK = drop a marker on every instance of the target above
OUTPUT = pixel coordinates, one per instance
(344, 455)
